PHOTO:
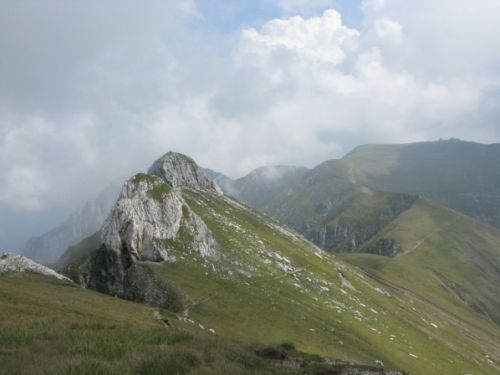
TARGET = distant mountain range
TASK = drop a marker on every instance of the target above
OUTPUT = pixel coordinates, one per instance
(49, 247)
(342, 203)
(261, 185)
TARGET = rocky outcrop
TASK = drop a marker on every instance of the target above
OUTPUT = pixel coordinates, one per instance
(383, 246)
(147, 215)
(358, 223)
(180, 171)
(150, 222)
(18, 263)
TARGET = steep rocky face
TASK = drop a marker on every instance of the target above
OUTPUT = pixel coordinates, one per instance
(180, 171)
(384, 246)
(360, 222)
(147, 215)
(175, 169)
(150, 222)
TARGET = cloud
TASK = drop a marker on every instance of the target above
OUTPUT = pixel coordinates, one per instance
(94, 92)
(389, 29)
(319, 39)
(373, 5)
(304, 6)
(318, 74)
(23, 189)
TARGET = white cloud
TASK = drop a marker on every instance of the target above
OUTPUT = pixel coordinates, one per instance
(389, 29)
(338, 83)
(319, 39)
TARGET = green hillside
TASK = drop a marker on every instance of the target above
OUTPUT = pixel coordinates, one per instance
(269, 285)
(341, 204)
(52, 327)
(445, 257)
(329, 207)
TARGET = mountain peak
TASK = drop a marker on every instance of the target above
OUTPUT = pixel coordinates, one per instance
(180, 171)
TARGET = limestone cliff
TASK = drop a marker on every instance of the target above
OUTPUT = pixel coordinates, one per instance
(180, 171)
(152, 222)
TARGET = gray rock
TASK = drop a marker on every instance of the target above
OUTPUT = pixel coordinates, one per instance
(18, 263)
(150, 222)
(149, 212)
(180, 171)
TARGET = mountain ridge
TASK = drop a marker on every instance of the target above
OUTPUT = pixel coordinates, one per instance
(269, 284)
(266, 196)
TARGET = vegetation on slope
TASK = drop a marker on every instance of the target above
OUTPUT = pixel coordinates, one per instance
(52, 327)
(270, 286)
(329, 207)
(446, 257)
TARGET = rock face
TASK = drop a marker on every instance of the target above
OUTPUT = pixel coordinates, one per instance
(345, 222)
(384, 246)
(18, 263)
(180, 171)
(151, 221)
(147, 215)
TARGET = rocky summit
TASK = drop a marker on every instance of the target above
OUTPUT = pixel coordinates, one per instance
(180, 171)
(147, 223)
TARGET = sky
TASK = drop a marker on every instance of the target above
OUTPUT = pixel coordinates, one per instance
(94, 91)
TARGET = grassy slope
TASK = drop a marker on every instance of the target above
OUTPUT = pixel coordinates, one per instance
(447, 257)
(52, 327)
(329, 207)
(311, 306)
(346, 195)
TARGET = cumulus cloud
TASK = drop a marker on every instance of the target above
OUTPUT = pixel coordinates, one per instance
(91, 92)
(330, 72)
(319, 39)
